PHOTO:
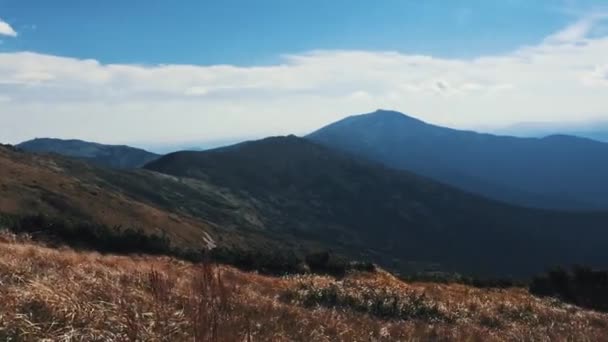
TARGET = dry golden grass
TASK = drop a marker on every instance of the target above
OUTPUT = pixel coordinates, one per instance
(64, 295)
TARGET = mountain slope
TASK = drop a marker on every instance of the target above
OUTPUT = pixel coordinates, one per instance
(74, 191)
(90, 206)
(559, 172)
(115, 156)
(389, 216)
(291, 194)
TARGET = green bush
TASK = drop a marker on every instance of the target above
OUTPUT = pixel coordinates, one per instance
(451, 278)
(86, 235)
(385, 302)
(581, 286)
(271, 261)
(127, 240)
(325, 262)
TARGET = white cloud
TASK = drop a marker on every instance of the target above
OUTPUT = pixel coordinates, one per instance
(579, 30)
(597, 77)
(563, 78)
(6, 29)
(573, 32)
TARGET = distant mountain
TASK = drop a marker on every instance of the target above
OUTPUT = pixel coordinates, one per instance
(561, 172)
(594, 130)
(191, 145)
(114, 156)
(289, 185)
(599, 135)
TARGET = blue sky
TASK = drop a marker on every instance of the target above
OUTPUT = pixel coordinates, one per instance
(214, 70)
(246, 32)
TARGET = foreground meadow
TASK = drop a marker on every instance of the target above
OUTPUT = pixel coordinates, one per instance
(67, 295)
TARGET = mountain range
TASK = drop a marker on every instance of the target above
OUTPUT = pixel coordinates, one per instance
(555, 172)
(345, 188)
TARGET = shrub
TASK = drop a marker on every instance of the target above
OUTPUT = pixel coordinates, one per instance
(87, 235)
(271, 261)
(127, 240)
(452, 278)
(581, 286)
(325, 262)
(381, 302)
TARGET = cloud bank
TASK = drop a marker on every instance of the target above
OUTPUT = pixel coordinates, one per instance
(6, 29)
(562, 78)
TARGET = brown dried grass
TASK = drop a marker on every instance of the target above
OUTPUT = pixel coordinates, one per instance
(63, 295)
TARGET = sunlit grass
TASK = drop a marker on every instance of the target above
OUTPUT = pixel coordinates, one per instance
(63, 295)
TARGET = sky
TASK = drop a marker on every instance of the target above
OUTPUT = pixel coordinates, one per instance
(160, 71)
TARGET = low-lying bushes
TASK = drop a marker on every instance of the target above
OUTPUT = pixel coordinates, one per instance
(87, 235)
(581, 286)
(325, 262)
(478, 282)
(271, 261)
(283, 261)
(81, 234)
(381, 302)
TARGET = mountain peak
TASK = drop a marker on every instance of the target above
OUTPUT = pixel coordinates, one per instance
(523, 171)
(381, 111)
(379, 119)
(388, 113)
(385, 115)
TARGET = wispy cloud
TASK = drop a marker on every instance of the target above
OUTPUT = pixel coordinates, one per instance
(68, 97)
(6, 29)
(578, 30)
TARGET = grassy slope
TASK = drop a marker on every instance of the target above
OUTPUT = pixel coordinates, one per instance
(31, 184)
(60, 294)
(190, 213)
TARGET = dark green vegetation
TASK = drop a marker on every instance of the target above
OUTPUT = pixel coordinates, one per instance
(115, 156)
(84, 235)
(87, 235)
(560, 172)
(481, 282)
(381, 302)
(581, 286)
(291, 189)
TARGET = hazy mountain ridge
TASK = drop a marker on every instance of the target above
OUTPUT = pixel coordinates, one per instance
(526, 171)
(593, 130)
(115, 156)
